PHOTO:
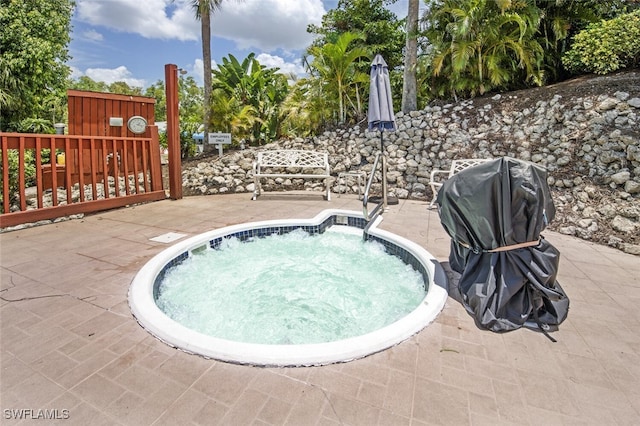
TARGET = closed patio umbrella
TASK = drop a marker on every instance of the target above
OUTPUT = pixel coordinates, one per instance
(380, 114)
(494, 213)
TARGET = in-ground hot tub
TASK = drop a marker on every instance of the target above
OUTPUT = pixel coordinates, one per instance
(150, 290)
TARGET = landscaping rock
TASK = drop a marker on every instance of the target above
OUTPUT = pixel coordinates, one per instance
(585, 132)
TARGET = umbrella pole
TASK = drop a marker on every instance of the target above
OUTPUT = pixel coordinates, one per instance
(384, 172)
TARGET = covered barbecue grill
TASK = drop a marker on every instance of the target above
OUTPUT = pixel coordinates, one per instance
(494, 213)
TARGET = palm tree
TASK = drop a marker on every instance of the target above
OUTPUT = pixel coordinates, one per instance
(306, 108)
(481, 45)
(335, 63)
(409, 85)
(203, 10)
(231, 115)
(255, 85)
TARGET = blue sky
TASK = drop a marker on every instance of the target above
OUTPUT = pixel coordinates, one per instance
(132, 40)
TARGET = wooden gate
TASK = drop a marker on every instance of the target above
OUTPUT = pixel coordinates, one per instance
(100, 164)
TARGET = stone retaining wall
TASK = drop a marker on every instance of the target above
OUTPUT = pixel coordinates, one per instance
(589, 144)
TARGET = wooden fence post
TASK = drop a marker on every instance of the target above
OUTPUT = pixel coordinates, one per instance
(173, 131)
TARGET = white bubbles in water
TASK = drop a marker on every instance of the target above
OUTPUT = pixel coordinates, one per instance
(291, 289)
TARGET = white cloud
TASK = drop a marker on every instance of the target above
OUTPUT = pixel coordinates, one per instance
(197, 69)
(92, 35)
(262, 24)
(109, 76)
(287, 68)
(162, 19)
(266, 27)
(75, 73)
(268, 24)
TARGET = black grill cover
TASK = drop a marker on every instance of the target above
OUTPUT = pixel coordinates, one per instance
(494, 205)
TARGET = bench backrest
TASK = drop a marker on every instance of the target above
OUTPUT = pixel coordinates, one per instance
(293, 158)
(460, 165)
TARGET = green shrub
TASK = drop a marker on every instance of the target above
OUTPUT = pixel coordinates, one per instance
(29, 172)
(162, 138)
(187, 145)
(36, 125)
(606, 46)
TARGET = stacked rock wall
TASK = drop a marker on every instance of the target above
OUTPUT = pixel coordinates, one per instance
(590, 145)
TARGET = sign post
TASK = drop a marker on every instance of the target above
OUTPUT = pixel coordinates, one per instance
(219, 139)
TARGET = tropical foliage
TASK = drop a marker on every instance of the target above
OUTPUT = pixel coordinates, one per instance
(157, 91)
(307, 109)
(464, 48)
(189, 93)
(606, 46)
(119, 87)
(297, 119)
(251, 92)
(34, 40)
(190, 96)
(334, 65)
(561, 20)
(477, 46)
(231, 116)
(483, 45)
(382, 32)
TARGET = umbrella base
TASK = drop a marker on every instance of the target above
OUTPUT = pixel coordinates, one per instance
(391, 200)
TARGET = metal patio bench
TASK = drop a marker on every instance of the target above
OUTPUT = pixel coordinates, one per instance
(295, 164)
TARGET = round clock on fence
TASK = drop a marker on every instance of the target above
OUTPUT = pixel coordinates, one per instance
(137, 124)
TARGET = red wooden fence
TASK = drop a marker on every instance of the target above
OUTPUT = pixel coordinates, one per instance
(100, 172)
(90, 113)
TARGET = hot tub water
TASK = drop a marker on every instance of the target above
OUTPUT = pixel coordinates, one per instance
(291, 289)
(238, 272)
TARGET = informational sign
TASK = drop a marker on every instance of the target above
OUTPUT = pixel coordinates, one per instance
(219, 139)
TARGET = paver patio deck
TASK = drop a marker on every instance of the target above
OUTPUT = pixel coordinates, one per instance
(69, 342)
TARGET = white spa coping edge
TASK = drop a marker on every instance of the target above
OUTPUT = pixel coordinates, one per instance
(156, 322)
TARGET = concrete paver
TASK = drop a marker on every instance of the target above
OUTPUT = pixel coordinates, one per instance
(69, 344)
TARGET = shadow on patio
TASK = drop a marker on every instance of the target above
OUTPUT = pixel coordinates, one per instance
(70, 345)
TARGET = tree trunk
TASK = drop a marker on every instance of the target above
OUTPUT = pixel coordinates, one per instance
(205, 21)
(409, 85)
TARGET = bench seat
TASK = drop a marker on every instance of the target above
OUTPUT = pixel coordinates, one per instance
(298, 160)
